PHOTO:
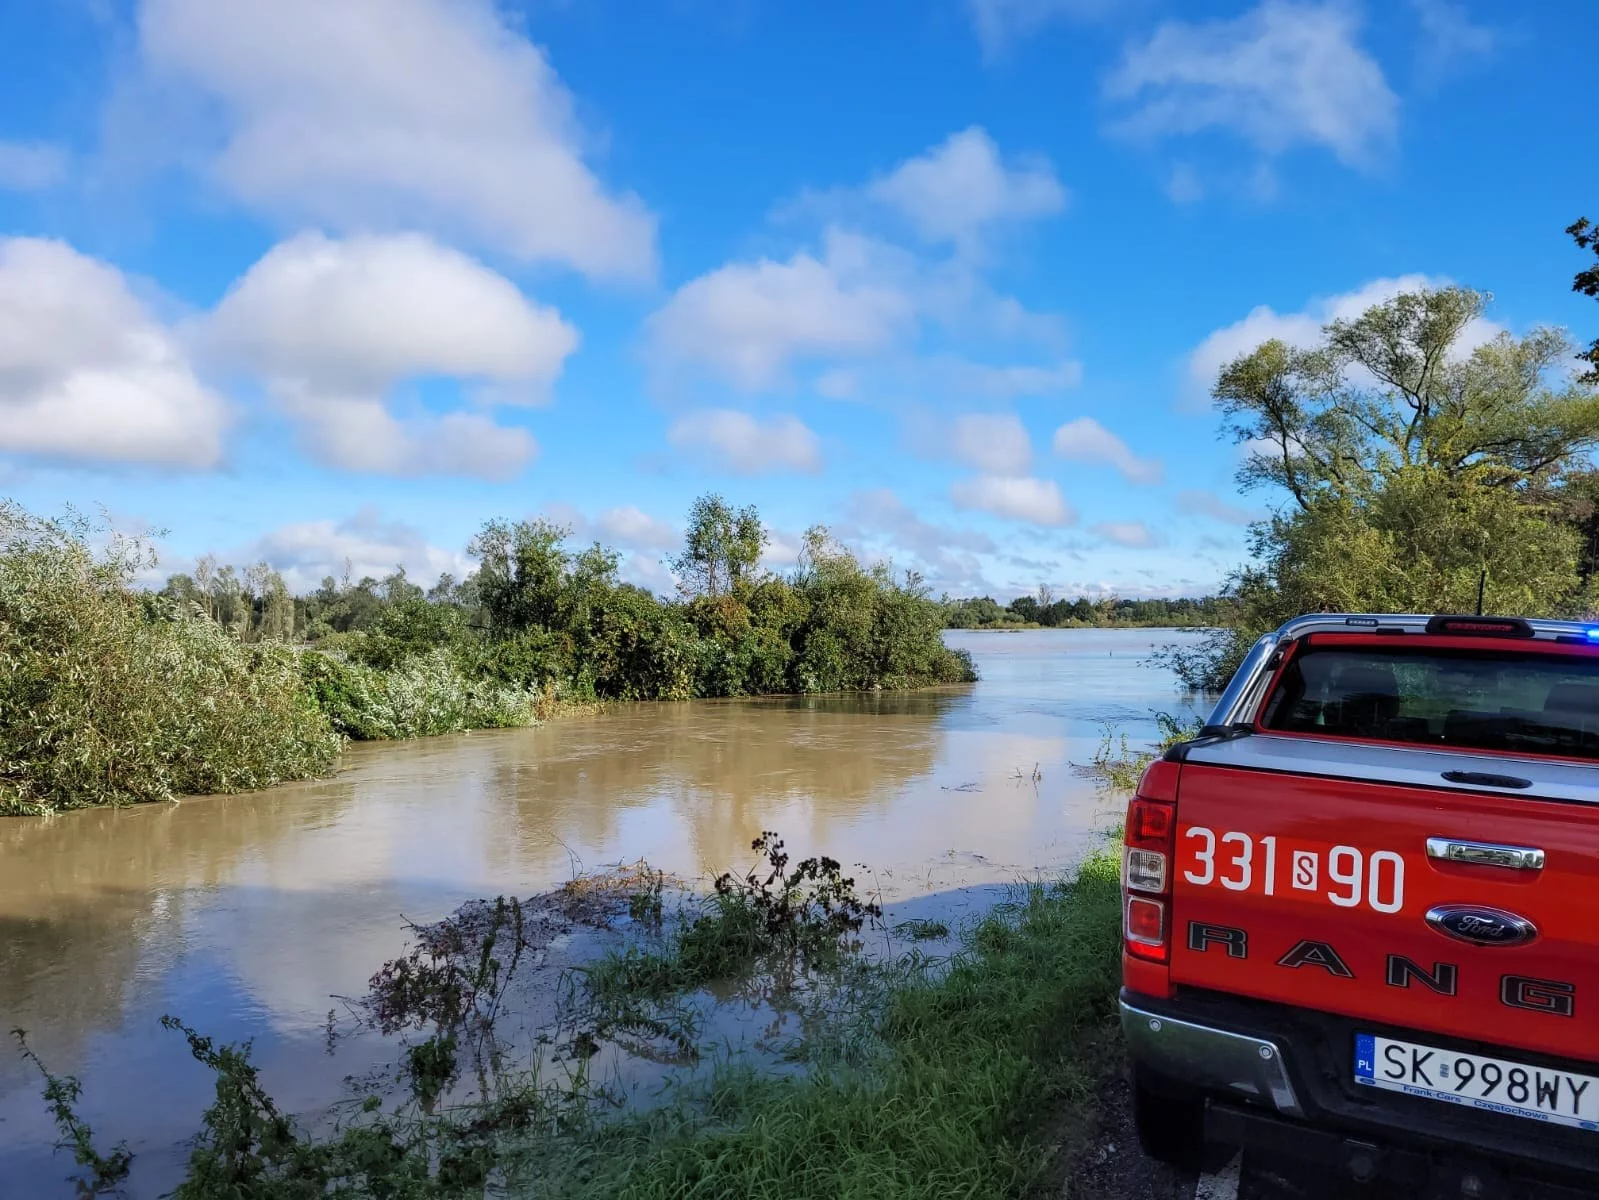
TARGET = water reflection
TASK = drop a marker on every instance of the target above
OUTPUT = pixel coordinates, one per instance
(246, 913)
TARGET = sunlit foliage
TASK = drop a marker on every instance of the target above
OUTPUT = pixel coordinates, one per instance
(110, 695)
(1416, 468)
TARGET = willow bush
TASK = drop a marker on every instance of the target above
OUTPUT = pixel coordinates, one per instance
(108, 695)
(420, 696)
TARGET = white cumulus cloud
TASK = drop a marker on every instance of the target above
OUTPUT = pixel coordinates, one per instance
(640, 537)
(747, 322)
(1085, 440)
(1015, 497)
(362, 114)
(651, 574)
(738, 442)
(1283, 74)
(88, 372)
(863, 297)
(630, 526)
(366, 311)
(962, 186)
(1133, 534)
(333, 326)
(364, 544)
(355, 433)
(994, 443)
(948, 557)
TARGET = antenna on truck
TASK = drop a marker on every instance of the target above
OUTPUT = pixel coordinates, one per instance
(1482, 582)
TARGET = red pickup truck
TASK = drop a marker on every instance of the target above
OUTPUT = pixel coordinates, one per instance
(1362, 909)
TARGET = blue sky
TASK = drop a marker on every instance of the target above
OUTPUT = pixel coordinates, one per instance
(313, 281)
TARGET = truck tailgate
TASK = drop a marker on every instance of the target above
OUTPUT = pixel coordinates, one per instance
(1307, 879)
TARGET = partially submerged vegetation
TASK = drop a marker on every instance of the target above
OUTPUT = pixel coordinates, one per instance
(1118, 764)
(802, 919)
(911, 1078)
(223, 681)
(106, 696)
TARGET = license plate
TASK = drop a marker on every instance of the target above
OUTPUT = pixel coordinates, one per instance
(1478, 1081)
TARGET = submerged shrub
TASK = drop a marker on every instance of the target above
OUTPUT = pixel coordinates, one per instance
(834, 624)
(1118, 765)
(424, 695)
(106, 698)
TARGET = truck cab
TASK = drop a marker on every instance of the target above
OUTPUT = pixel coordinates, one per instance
(1361, 909)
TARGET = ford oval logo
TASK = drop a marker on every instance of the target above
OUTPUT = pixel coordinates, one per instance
(1481, 926)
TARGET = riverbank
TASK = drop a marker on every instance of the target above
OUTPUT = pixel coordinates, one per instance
(115, 694)
(983, 1078)
(972, 1075)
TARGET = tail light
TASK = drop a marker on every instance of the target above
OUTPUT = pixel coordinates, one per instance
(1150, 844)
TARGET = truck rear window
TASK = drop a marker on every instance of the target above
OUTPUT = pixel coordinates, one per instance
(1473, 699)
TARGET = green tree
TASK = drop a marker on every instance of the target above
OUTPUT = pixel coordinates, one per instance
(1586, 234)
(1412, 464)
(521, 572)
(1393, 389)
(277, 609)
(722, 548)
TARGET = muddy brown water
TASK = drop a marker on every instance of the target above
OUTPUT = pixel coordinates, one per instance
(246, 914)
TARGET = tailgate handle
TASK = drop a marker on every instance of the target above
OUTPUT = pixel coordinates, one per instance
(1485, 779)
(1484, 854)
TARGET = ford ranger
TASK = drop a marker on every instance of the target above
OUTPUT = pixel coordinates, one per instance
(1361, 909)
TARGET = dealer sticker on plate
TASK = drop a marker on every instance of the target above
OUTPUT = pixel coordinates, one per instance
(1477, 1081)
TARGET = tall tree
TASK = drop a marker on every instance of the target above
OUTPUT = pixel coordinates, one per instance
(1412, 459)
(1586, 234)
(1395, 388)
(522, 567)
(722, 548)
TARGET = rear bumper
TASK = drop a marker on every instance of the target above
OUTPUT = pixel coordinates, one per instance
(1211, 1059)
(1280, 1080)
(1396, 1162)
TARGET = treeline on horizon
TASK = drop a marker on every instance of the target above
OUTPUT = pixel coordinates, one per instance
(1085, 612)
(223, 681)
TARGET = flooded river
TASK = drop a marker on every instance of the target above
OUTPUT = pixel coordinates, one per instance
(246, 914)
